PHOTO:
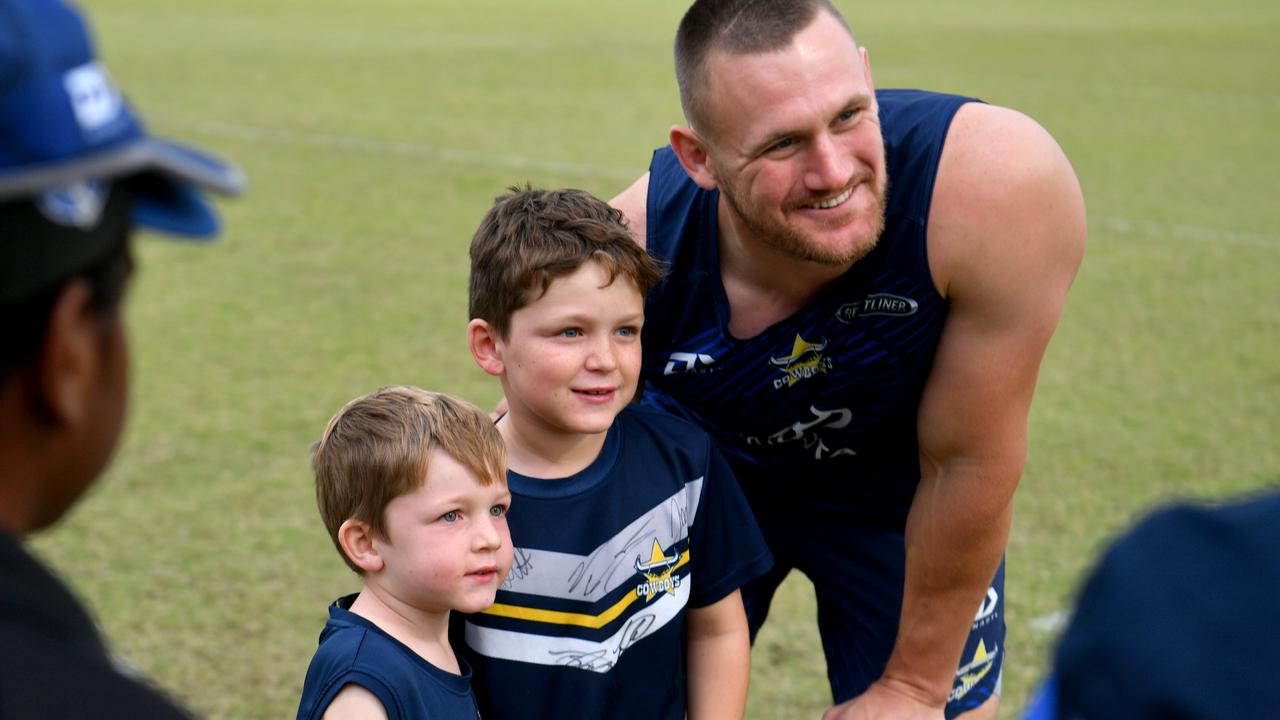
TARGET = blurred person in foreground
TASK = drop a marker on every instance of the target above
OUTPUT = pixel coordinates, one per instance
(1178, 620)
(77, 175)
(861, 286)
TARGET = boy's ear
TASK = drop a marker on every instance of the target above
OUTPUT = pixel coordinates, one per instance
(356, 539)
(691, 151)
(485, 346)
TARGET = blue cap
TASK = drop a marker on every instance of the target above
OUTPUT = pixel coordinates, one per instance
(65, 128)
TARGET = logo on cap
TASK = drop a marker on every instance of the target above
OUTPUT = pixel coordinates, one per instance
(94, 98)
(77, 205)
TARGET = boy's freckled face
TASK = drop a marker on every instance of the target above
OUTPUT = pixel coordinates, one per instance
(571, 358)
(447, 546)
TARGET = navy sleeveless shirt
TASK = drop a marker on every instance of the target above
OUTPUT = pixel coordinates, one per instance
(355, 651)
(821, 406)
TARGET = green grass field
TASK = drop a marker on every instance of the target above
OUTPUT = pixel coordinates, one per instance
(376, 133)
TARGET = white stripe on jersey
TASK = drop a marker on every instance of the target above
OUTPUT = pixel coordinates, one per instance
(591, 577)
(596, 656)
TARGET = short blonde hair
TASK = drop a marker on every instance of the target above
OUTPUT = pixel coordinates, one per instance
(377, 447)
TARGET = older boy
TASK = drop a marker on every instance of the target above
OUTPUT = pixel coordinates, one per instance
(411, 486)
(633, 536)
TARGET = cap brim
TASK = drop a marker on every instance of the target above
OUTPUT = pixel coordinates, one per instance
(174, 204)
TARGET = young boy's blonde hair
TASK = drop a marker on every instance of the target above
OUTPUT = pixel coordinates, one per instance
(377, 448)
(531, 237)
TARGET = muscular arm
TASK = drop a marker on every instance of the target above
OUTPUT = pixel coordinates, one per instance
(1007, 231)
(719, 655)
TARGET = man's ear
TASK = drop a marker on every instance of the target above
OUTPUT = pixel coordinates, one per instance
(357, 541)
(485, 344)
(691, 150)
(70, 358)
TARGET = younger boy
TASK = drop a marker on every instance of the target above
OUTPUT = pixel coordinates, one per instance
(633, 536)
(412, 488)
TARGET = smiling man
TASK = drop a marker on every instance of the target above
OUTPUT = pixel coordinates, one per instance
(861, 288)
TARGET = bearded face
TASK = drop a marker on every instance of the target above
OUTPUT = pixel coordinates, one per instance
(793, 142)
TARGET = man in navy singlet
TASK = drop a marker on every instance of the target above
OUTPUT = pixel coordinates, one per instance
(861, 287)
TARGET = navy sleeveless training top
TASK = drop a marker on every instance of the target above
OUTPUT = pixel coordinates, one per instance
(821, 405)
(355, 651)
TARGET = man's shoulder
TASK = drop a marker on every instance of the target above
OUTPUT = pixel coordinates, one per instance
(1031, 213)
(909, 118)
(982, 136)
(915, 126)
(911, 102)
(661, 191)
(673, 205)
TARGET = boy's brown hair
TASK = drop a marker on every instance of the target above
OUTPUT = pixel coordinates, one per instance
(377, 446)
(531, 237)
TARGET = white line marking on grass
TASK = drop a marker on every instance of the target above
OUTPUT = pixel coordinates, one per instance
(1051, 623)
(1166, 93)
(1151, 228)
(403, 149)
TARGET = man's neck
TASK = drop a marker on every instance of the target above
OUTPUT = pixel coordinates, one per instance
(539, 452)
(762, 284)
(425, 632)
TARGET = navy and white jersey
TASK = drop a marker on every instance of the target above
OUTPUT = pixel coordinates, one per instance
(591, 622)
(355, 651)
(822, 404)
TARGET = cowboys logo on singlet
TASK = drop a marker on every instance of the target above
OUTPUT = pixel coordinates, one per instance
(805, 361)
(972, 672)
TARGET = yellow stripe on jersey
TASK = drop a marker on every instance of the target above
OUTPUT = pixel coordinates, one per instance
(557, 617)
